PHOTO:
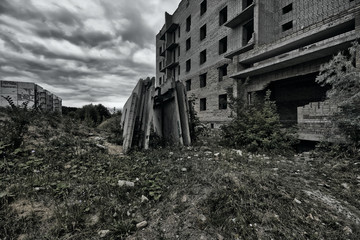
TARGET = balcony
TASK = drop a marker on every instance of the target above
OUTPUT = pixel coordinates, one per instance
(169, 26)
(244, 16)
(250, 45)
(304, 54)
(171, 45)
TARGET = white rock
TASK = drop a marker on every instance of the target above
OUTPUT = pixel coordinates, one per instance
(208, 153)
(184, 199)
(103, 233)
(216, 154)
(144, 199)
(171, 153)
(184, 170)
(122, 183)
(347, 230)
(297, 201)
(238, 152)
(141, 225)
(345, 185)
(202, 218)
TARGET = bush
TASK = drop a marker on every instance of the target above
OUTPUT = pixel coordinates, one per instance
(257, 128)
(195, 125)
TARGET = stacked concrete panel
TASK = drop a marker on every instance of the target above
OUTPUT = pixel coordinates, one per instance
(162, 110)
(29, 93)
(273, 44)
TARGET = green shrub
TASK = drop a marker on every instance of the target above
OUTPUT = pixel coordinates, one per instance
(257, 128)
(344, 79)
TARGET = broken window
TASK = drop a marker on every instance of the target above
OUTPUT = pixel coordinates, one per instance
(203, 56)
(188, 44)
(287, 26)
(223, 16)
(160, 81)
(188, 23)
(203, 80)
(188, 65)
(287, 8)
(222, 72)
(203, 7)
(188, 85)
(202, 104)
(223, 45)
(248, 30)
(203, 32)
(179, 70)
(223, 101)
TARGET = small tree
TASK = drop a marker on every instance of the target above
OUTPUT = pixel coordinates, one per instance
(344, 79)
(256, 128)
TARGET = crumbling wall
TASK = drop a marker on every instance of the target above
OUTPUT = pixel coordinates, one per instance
(314, 122)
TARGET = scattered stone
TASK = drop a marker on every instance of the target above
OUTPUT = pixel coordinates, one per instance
(184, 199)
(207, 153)
(275, 169)
(141, 225)
(345, 185)
(189, 157)
(144, 199)
(103, 233)
(101, 146)
(123, 183)
(67, 166)
(219, 237)
(216, 154)
(347, 230)
(184, 170)
(36, 171)
(266, 158)
(196, 155)
(94, 220)
(202, 218)
(171, 153)
(297, 201)
(202, 237)
(238, 152)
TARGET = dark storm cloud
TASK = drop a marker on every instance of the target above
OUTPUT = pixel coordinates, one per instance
(82, 50)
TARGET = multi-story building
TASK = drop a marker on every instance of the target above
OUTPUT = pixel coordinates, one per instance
(215, 45)
(31, 94)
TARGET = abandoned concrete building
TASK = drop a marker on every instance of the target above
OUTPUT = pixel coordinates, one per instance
(30, 93)
(214, 45)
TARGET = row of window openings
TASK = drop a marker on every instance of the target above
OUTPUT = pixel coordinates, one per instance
(223, 15)
(222, 102)
(222, 72)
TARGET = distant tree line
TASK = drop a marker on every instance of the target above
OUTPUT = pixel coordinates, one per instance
(91, 115)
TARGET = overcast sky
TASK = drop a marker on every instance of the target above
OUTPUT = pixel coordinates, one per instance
(84, 51)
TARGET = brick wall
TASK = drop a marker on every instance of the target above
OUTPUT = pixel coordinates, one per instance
(314, 122)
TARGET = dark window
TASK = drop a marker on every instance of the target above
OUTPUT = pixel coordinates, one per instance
(179, 32)
(188, 65)
(203, 56)
(222, 72)
(203, 7)
(188, 85)
(203, 32)
(247, 3)
(160, 81)
(223, 101)
(223, 45)
(160, 65)
(160, 50)
(287, 26)
(179, 70)
(188, 23)
(287, 8)
(223, 16)
(202, 104)
(188, 44)
(203, 80)
(212, 125)
(248, 30)
(179, 51)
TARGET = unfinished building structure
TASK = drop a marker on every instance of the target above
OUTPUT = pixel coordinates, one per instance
(30, 93)
(215, 45)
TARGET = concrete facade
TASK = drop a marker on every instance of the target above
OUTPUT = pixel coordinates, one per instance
(274, 44)
(30, 93)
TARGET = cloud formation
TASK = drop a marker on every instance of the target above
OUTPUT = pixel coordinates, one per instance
(85, 51)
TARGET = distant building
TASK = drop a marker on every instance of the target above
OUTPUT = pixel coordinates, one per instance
(215, 45)
(30, 93)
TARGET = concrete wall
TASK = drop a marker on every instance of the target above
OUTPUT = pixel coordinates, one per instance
(30, 93)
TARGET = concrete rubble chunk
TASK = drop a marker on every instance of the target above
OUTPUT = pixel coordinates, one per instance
(103, 233)
(144, 199)
(141, 225)
(123, 183)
